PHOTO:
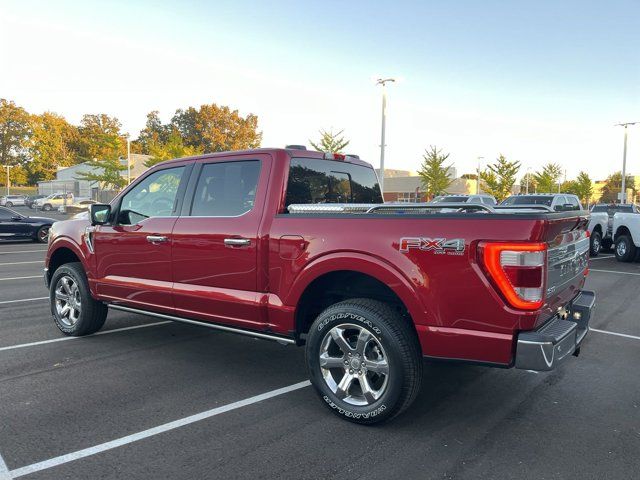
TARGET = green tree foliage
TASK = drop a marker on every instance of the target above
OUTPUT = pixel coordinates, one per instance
(53, 144)
(330, 142)
(533, 184)
(548, 178)
(105, 171)
(100, 137)
(173, 147)
(15, 130)
(500, 177)
(154, 133)
(469, 176)
(613, 186)
(581, 186)
(433, 173)
(213, 128)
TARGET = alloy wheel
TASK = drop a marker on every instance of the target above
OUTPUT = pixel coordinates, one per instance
(354, 364)
(68, 302)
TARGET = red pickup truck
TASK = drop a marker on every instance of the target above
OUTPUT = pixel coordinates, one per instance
(298, 247)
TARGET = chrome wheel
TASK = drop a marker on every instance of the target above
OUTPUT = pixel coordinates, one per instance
(353, 364)
(621, 248)
(68, 304)
(596, 244)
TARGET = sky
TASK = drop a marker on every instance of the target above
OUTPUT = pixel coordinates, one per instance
(539, 82)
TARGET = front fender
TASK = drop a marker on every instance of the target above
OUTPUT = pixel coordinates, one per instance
(361, 263)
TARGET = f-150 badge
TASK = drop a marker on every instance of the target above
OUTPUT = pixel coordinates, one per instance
(439, 246)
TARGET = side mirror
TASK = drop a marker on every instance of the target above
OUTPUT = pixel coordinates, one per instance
(100, 213)
(15, 218)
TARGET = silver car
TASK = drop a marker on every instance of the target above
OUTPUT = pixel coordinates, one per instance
(12, 200)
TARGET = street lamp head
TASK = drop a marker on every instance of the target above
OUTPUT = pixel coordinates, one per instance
(383, 81)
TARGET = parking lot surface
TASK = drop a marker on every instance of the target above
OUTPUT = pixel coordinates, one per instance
(149, 399)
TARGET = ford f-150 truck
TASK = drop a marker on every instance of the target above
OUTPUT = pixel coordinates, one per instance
(298, 247)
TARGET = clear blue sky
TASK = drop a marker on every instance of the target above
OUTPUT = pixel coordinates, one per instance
(538, 81)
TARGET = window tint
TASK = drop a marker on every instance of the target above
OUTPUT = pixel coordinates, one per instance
(488, 201)
(226, 189)
(6, 214)
(529, 200)
(154, 196)
(574, 202)
(328, 181)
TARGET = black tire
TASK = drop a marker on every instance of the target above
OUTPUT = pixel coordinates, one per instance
(625, 249)
(46, 207)
(392, 339)
(92, 314)
(596, 243)
(8, 204)
(606, 245)
(42, 235)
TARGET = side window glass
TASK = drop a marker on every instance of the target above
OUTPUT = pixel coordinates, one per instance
(226, 189)
(5, 214)
(154, 196)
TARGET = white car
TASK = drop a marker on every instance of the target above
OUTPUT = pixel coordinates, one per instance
(559, 202)
(626, 236)
(12, 200)
(598, 227)
(53, 201)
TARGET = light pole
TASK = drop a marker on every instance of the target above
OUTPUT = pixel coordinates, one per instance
(623, 193)
(128, 158)
(8, 167)
(478, 176)
(528, 177)
(383, 82)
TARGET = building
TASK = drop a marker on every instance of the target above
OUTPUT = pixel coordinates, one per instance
(405, 186)
(67, 179)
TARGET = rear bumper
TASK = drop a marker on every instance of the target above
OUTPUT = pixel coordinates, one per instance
(548, 346)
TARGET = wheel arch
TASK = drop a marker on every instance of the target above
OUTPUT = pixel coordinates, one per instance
(60, 253)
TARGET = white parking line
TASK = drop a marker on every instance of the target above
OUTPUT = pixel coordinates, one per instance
(21, 263)
(4, 471)
(602, 257)
(615, 333)
(24, 300)
(614, 271)
(62, 339)
(21, 251)
(19, 278)
(70, 457)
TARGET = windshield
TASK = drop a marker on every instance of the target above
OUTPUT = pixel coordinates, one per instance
(454, 199)
(529, 200)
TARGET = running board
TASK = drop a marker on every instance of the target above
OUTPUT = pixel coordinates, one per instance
(265, 336)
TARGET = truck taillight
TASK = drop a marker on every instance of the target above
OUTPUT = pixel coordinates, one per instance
(518, 270)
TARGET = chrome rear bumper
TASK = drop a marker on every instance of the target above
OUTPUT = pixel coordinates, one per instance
(545, 348)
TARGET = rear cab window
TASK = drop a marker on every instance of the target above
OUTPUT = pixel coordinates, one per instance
(529, 200)
(314, 180)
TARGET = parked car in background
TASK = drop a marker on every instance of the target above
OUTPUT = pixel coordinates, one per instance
(31, 199)
(12, 200)
(53, 201)
(607, 211)
(79, 205)
(598, 228)
(482, 199)
(14, 226)
(626, 236)
(559, 202)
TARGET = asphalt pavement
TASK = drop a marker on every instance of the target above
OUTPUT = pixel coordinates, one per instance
(149, 399)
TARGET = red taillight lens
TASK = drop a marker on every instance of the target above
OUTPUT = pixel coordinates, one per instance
(518, 270)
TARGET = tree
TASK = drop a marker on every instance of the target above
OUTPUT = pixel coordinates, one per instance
(530, 179)
(500, 177)
(613, 186)
(154, 133)
(434, 175)
(548, 179)
(100, 137)
(106, 172)
(582, 186)
(213, 128)
(330, 142)
(53, 144)
(173, 148)
(469, 176)
(14, 133)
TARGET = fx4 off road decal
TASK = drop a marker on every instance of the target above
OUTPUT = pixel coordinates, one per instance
(438, 246)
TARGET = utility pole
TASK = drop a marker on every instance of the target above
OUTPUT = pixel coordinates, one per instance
(8, 167)
(623, 193)
(528, 175)
(478, 176)
(383, 82)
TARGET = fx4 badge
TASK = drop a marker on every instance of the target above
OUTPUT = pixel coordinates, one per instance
(439, 246)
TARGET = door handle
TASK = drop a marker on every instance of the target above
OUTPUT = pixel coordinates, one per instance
(237, 242)
(156, 239)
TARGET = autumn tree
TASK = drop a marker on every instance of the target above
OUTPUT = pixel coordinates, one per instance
(173, 147)
(53, 144)
(105, 171)
(213, 128)
(433, 172)
(100, 137)
(15, 131)
(528, 183)
(613, 186)
(330, 142)
(154, 133)
(500, 177)
(548, 178)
